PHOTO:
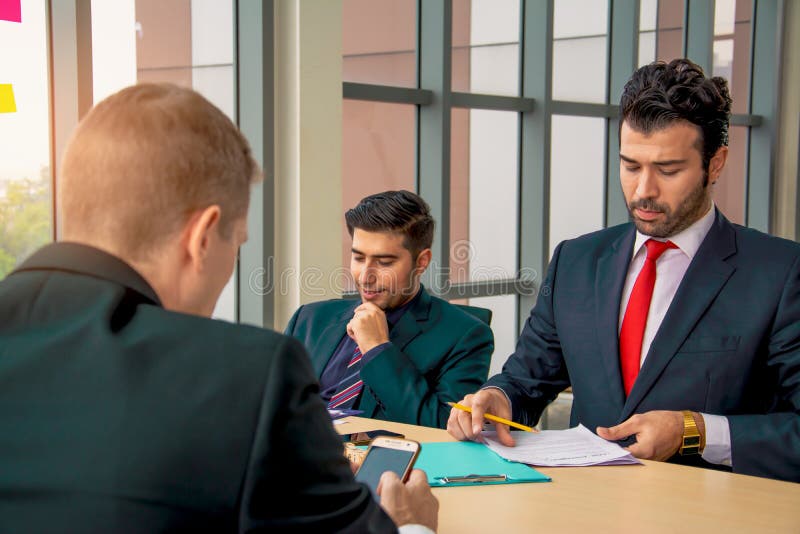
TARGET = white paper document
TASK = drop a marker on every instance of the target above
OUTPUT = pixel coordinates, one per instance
(577, 446)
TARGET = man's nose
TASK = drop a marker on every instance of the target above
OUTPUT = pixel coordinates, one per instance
(647, 187)
(367, 274)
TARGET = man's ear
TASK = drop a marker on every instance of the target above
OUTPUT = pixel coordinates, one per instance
(717, 163)
(423, 260)
(200, 230)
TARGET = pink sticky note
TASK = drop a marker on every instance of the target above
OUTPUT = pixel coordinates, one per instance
(10, 10)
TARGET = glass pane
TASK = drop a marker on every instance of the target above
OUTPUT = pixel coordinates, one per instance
(378, 153)
(189, 43)
(648, 21)
(113, 47)
(732, 27)
(669, 32)
(379, 42)
(486, 46)
(730, 190)
(25, 185)
(580, 55)
(577, 160)
(483, 187)
(660, 30)
(504, 326)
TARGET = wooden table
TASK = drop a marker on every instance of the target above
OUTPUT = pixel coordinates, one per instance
(655, 497)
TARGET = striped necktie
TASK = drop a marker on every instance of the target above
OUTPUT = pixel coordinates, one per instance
(350, 386)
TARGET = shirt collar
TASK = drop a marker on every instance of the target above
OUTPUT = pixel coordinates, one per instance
(392, 316)
(687, 240)
(90, 261)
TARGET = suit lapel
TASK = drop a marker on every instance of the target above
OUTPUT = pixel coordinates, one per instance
(612, 268)
(410, 323)
(325, 345)
(707, 274)
(402, 333)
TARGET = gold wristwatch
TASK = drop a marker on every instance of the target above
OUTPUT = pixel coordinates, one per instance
(691, 435)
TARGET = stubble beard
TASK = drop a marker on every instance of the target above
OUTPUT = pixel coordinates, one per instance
(690, 211)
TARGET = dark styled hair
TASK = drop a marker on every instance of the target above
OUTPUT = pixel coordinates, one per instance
(399, 212)
(660, 94)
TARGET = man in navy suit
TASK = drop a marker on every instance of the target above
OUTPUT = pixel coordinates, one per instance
(679, 332)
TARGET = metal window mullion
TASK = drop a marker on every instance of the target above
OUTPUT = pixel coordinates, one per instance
(767, 20)
(623, 55)
(433, 140)
(583, 109)
(386, 93)
(491, 102)
(698, 32)
(534, 190)
(255, 114)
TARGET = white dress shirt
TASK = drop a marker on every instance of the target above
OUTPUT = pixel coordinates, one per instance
(670, 268)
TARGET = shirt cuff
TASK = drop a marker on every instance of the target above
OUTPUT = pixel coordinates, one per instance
(501, 390)
(373, 353)
(414, 529)
(718, 440)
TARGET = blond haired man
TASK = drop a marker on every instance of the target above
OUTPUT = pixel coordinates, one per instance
(123, 407)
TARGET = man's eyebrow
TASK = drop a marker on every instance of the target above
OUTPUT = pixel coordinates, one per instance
(664, 163)
(667, 162)
(379, 256)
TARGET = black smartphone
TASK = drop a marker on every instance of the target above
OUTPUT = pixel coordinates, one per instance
(387, 454)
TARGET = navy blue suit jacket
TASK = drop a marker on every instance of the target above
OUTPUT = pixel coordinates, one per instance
(728, 345)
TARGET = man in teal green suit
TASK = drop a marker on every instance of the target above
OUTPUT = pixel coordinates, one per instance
(123, 406)
(398, 353)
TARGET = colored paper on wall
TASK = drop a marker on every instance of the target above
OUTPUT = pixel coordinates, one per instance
(10, 10)
(7, 104)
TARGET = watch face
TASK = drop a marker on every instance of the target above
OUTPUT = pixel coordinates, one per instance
(691, 441)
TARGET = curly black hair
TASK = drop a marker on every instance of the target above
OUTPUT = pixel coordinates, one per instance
(661, 93)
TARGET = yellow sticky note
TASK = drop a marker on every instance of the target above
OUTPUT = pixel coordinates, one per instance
(7, 104)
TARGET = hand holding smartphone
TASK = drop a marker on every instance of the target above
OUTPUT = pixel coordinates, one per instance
(387, 454)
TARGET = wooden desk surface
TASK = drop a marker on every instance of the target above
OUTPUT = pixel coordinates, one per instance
(655, 497)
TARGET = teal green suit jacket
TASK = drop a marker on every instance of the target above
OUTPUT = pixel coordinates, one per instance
(437, 353)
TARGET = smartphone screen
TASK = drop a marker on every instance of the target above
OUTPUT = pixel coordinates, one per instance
(387, 454)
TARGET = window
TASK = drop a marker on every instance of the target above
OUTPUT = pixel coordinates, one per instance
(521, 136)
(26, 205)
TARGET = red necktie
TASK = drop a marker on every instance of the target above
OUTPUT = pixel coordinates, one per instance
(633, 323)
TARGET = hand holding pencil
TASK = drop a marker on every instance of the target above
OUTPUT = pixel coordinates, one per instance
(467, 416)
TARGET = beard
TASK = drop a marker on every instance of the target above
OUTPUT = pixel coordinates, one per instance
(689, 211)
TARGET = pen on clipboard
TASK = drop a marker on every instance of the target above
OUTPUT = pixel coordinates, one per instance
(494, 418)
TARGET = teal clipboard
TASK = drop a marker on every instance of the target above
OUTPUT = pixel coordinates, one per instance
(466, 463)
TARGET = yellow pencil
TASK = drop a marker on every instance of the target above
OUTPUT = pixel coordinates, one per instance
(494, 418)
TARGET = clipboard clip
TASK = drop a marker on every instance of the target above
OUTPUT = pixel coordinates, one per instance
(476, 479)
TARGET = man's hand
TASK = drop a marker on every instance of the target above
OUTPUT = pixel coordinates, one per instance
(468, 426)
(409, 503)
(368, 327)
(659, 434)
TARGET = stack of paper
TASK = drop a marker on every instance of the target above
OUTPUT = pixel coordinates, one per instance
(574, 447)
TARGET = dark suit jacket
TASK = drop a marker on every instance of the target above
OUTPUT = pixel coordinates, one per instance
(729, 343)
(119, 416)
(438, 353)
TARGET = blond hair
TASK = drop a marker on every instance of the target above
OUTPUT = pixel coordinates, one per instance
(144, 160)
